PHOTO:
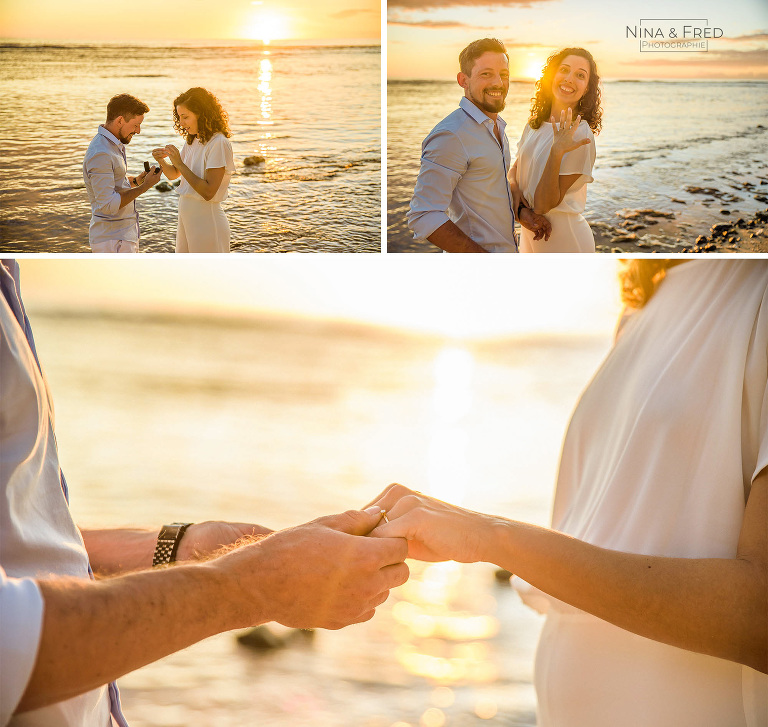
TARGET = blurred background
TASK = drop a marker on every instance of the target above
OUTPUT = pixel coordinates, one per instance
(277, 391)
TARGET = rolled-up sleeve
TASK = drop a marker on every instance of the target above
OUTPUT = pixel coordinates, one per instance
(444, 160)
(21, 624)
(102, 178)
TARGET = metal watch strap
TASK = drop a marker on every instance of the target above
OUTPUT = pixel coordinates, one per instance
(168, 543)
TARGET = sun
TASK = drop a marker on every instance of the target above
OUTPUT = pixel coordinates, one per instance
(533, 69)
(267, 26)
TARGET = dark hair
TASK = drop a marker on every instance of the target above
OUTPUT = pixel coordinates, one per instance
(475, 49)
(211, 117)
(589, 104)
(126, 106)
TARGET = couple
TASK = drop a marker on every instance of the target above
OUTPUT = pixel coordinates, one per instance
(205, 165)
(467, 197)
(654, 573)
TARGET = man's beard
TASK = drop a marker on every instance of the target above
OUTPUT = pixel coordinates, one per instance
(492, 107)
(125, 139)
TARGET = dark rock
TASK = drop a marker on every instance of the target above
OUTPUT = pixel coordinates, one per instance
(721, 228)
(625, 238)
(702, 240)
(176, 183)
(163, 187)
(254, 160)
(740, 222)
(725, 212)
(261, 638)
(679, 201)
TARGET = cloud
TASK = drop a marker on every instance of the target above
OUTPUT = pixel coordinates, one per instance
(750, 38)
(432, 23)
(733, 58)
(351, 12)
(433, 4)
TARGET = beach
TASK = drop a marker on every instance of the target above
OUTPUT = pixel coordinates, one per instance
(267, 419)
(308, 118)
(675, 159)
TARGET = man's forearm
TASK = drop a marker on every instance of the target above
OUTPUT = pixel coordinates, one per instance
(124, 550)
(450, 238)
(94, 632)
(128, 195)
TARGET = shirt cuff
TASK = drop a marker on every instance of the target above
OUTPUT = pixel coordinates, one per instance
(425, 223)
(21, 625)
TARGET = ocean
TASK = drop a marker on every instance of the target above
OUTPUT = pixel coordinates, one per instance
(281, 420)
(313, 113)
(659, 139)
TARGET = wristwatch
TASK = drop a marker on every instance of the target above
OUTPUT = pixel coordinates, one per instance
(168, 543)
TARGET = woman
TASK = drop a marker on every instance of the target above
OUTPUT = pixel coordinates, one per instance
(654, 574)
(555, 159)
(206, 165)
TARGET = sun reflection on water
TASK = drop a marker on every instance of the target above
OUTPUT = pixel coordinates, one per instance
(441, 629)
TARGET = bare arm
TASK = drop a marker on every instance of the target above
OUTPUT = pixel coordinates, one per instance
(553, 186)
(450, 238)
(123, 550)
(707, 605)
(318, 575)
(207, 187)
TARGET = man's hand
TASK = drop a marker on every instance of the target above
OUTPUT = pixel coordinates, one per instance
(536, 223)
(435, 530)
(319, 575)
(150, 179)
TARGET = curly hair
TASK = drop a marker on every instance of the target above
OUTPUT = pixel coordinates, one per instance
(211, 117)
(589, 104)
(640, 279)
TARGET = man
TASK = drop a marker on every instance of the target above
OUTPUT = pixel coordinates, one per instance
(64, 636)
(463, 201)
(114, 219)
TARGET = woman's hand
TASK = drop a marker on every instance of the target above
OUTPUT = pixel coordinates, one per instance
(173, 154)
(435, 530)
(159, 154)
(563, 140)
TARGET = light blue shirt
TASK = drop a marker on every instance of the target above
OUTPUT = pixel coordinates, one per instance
(25, 559)
(104, 174)
(463, 178)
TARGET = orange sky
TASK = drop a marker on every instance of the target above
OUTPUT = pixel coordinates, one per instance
(424, 37)
(142, 20)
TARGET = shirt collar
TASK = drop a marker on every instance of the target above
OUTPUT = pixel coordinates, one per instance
(478, 115)
(109, 135)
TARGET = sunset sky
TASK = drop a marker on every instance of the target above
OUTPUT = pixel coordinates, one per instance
(519, 295)
(424, 37)
(145, 20)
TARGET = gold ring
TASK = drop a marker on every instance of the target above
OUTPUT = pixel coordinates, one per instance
(384, 516)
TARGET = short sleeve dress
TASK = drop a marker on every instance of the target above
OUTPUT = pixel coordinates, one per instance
(215, 153)
(570, 231)
(659, 459)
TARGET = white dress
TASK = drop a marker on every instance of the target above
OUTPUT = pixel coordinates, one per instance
(659, 459)
(570, 231)
(203, 226)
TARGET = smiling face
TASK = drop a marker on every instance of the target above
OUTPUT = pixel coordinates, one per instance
(124, 130)
(187, 119)
(570, 82)
(488, 84)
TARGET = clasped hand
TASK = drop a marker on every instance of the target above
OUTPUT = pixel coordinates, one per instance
(435, 530)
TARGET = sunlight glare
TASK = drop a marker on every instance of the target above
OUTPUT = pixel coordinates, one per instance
(267, 26)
